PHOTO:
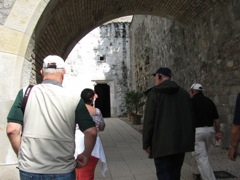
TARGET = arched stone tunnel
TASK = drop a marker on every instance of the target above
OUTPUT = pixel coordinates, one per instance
(30, 30)
(63, 23)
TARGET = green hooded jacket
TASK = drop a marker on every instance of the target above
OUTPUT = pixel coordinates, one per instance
(168, 126)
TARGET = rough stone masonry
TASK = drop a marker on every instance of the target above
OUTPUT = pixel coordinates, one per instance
(207, 52)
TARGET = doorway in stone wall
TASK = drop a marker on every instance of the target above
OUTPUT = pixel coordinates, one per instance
(103, 100)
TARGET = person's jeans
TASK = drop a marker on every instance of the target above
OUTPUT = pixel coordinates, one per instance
(169, 167)
(32, 176)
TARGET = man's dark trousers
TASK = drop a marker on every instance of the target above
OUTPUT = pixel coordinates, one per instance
(169, 167)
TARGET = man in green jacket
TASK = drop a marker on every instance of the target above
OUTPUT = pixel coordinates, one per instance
(168, 128)
(43, 135)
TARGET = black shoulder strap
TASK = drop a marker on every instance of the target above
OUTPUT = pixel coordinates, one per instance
(25, 97)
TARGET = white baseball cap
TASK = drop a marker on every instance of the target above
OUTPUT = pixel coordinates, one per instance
(197, 86)
(53, 61)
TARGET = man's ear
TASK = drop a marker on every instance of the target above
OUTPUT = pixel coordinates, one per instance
(41, 72)
(159, 76)
(63, 73)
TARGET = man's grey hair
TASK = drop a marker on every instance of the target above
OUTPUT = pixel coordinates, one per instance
(52, 71)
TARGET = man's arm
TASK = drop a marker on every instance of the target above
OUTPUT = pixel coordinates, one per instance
(148, 122)
(235, 138)
(88, 127)
(15, 122)
(216, 126)
(89, 140)
(90, 135)
(14, 134)
(235, 131)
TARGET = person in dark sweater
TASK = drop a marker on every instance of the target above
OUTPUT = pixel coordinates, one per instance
(206, 123)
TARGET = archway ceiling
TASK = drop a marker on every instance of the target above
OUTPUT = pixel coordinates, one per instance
(64, 22)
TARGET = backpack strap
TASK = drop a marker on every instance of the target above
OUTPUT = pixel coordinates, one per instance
(25, 97)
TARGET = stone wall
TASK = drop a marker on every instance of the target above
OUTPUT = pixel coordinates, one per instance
(5, 9)
(207, 52)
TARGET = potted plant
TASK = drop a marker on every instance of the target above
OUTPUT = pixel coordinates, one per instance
(129, 103)
(134, 103)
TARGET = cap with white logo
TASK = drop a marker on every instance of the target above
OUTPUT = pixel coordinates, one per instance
(197, 86)
(53, 61)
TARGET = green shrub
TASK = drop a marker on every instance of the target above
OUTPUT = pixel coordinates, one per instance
(134, 101)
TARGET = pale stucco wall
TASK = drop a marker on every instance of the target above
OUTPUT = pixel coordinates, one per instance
(16, 30)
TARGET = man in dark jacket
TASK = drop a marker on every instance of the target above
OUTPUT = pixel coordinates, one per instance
(168, 128)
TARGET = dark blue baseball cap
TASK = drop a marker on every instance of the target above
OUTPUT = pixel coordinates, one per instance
(164, 71)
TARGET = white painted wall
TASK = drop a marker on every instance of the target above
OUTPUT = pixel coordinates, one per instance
(84, 68)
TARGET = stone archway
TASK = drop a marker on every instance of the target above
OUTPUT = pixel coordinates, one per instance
(34, 29)
(64, 23)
